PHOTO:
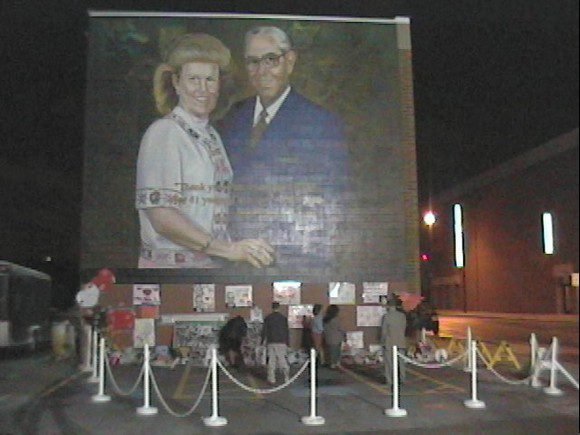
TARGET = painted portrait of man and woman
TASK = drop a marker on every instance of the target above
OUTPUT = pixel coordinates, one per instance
(271, 147)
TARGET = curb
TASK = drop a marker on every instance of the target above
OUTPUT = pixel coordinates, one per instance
(566, 318)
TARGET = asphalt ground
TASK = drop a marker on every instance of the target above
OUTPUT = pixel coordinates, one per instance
(40, 395)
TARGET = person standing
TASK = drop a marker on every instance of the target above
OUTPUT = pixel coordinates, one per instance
(256, 314)
(333, 335)
(231, 337)
(183, 172)
(275, 336)
(393, 326)
(318, 332)
(306, 342)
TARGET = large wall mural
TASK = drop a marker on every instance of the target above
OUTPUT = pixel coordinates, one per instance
(186, 176)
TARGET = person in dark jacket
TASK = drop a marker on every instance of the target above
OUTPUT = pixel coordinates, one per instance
(333, 335)
(230, 340)
(275, 336)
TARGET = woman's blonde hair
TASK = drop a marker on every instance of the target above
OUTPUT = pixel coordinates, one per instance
(192, 47)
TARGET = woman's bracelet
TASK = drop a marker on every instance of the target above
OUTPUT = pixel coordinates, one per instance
(207, 244)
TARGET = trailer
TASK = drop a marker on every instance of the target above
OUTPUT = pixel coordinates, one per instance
(25, 306)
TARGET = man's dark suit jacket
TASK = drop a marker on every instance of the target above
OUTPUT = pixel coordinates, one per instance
(288, 187)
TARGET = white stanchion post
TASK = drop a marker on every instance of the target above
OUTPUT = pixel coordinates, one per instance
(313, 419)
(214, 419)
(395, 411)
(533, 350)
(468, 363)
(95, 376)
(552, 389)
(86, 350)
(423, 335)
(146, 409)
(474, 402)
(534, 380)
(101, 396)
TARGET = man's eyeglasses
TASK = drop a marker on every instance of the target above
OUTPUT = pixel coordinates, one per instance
(269, 60)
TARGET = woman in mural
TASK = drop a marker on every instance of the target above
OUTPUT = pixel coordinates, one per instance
(183, 173)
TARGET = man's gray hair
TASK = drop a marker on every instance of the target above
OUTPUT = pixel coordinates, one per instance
(282, 39)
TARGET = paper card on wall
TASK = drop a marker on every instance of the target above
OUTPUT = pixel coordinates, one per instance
(372, 291)
(204, 298)
(296, 312)
(120, 319)
(355, 339)
(148, 311)
(341, 293)
(146, 294)
(5, 336)
(238, 295)
(144, 333)
(286, 292)
(256, 314)
(369, 315)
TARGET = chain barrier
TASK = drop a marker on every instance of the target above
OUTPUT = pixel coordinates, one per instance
(433, 365)
(562, 370)
(538, 363)
(116, 387)
(263, 390)
(503, 378)
(166, 405)
(461, 356)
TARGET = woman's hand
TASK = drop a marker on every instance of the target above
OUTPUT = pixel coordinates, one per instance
(257, 252)
(172, 225)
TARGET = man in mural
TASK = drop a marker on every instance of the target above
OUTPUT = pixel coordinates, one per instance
(289, 157)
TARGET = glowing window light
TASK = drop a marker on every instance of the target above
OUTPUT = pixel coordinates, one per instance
(458, 235)
(548, 233)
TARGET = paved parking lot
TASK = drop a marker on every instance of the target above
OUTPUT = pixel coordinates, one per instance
(41, 396)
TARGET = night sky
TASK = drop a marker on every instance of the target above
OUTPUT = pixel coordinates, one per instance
(492, 79)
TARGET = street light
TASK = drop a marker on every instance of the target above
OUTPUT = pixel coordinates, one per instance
(429, 218)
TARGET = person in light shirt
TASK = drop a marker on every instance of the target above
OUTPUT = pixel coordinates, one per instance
(318, 332)
(184, 175)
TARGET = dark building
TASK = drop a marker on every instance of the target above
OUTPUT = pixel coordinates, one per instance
(506, 268)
